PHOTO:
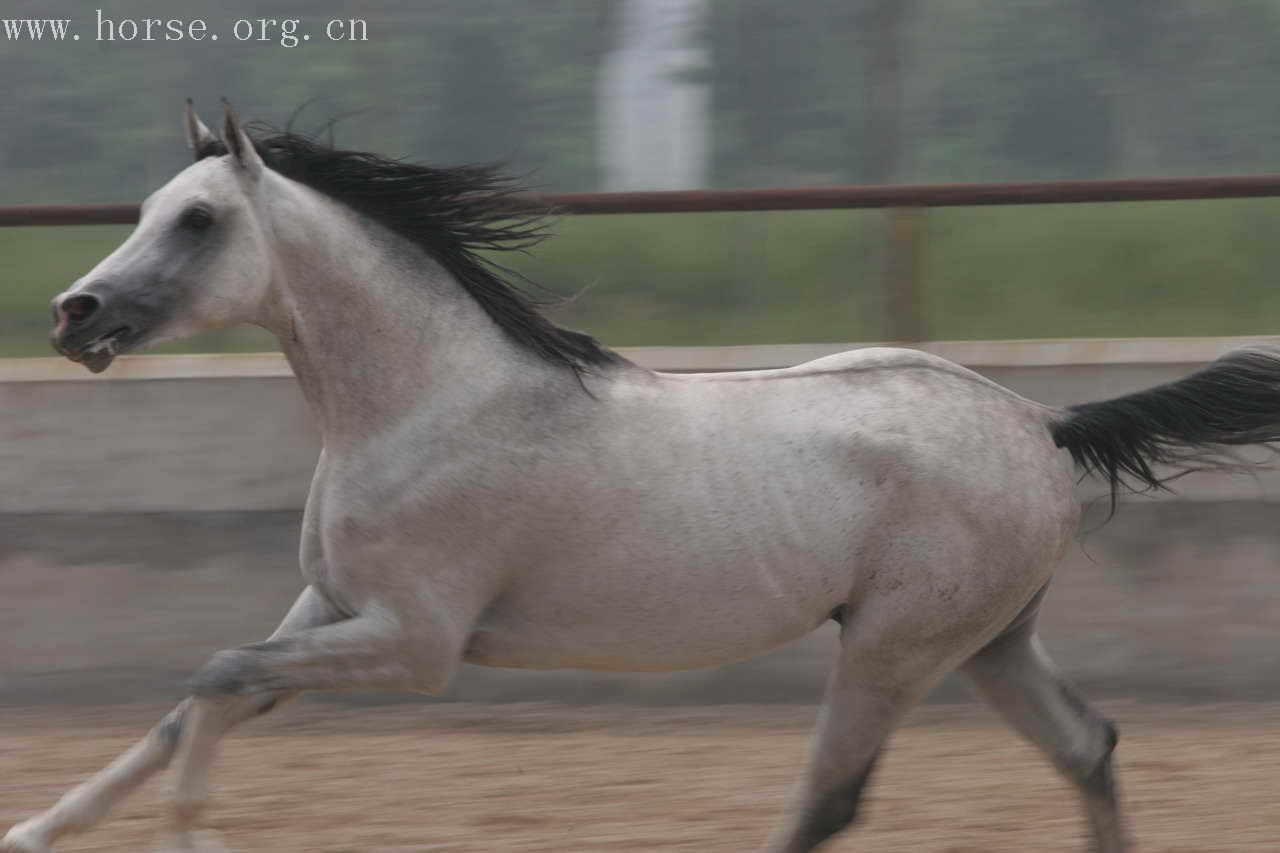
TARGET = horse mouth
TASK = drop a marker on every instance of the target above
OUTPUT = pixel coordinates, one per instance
(98, 353)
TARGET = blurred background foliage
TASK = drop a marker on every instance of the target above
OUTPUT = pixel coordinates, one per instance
(796, 95)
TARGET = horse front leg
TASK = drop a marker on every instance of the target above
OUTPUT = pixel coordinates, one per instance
(371, 650)
(87, 804)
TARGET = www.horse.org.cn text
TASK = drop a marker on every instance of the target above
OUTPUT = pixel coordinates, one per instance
(284, 32)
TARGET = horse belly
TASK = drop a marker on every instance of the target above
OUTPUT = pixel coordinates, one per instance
(647, 639)
(652, 605)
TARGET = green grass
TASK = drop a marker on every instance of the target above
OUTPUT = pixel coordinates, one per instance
(1203, 268)
(1122, 270)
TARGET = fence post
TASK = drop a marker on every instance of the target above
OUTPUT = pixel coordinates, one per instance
(904, 297)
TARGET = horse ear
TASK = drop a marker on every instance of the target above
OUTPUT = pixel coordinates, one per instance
(239, 143)
(200, 139)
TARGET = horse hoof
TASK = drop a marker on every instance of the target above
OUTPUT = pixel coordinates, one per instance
(192, 842)
(22, 840)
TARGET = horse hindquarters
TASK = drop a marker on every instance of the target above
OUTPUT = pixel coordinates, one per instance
(979, 520)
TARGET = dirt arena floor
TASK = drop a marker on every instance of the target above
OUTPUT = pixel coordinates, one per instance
(451, 777)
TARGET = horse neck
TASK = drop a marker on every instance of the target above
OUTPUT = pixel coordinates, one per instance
(374, 328)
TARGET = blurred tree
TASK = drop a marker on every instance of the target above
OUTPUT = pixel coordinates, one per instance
(883, 140)
(1022, 89)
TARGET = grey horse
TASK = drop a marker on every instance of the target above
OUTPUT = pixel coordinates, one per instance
(497, 490)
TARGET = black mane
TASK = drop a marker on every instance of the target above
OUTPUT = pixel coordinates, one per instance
(452, 213)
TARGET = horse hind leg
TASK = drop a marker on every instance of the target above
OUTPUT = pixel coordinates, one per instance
(1017, 677)
(855, 720)
(867, 695)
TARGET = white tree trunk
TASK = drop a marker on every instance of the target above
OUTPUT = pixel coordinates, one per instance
(654, 119)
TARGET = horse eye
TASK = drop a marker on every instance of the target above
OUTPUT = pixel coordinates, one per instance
(196, 218)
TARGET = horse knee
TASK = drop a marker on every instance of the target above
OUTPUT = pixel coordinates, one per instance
(828, 812)
(228, 673)
(1090, 766)
(169, 730)
(1100, 781)
(835, 811)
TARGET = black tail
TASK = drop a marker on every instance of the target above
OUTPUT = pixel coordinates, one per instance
(1182, 426)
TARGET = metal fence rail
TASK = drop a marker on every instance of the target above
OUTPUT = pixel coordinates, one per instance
(903, 274)
(806, 198)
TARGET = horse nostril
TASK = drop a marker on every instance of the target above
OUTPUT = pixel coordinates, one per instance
(79, 308)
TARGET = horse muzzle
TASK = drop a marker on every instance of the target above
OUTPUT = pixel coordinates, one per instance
(89, 331)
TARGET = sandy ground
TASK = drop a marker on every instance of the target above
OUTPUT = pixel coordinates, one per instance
(527, 777)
